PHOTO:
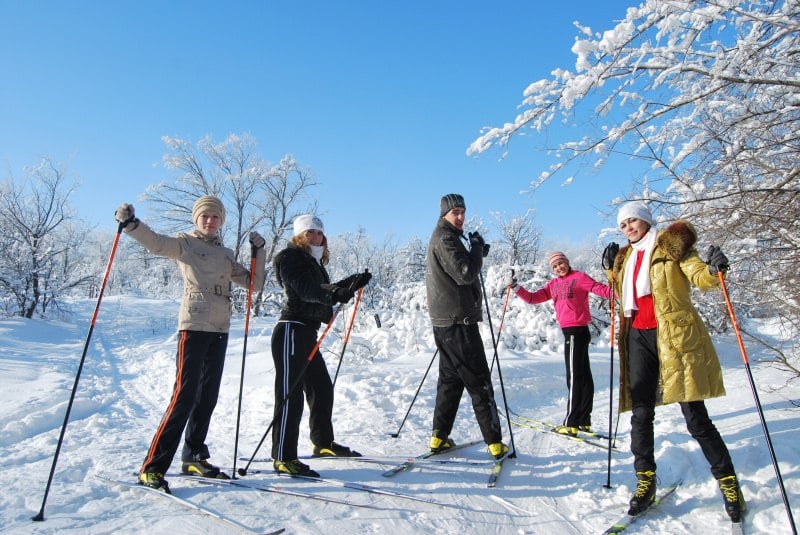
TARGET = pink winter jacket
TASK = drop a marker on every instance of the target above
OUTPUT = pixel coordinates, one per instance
(570, 295)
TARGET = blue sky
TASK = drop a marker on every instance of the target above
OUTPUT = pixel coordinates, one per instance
(379, 99)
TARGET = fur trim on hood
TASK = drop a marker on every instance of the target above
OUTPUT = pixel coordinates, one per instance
(677, 240)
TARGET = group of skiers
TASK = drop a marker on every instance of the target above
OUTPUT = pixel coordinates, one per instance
(666, 354)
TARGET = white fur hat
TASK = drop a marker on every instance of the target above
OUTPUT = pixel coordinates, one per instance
(307, 222)
(636, 209)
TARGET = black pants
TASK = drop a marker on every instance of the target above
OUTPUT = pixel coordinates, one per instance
(200, 360)
(579, 376)
(291, 345)
(643, 366)
(462, 364)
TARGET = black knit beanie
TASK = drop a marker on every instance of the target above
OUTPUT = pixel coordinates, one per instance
(450, 201)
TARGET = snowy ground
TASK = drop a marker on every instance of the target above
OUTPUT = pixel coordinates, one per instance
(553, 486)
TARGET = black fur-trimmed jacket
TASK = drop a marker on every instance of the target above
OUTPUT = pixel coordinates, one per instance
(302, 279)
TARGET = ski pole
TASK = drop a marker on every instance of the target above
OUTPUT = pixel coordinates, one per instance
(253, 254)
(395, 435)
(347, 334)
(297, 383)
(502, 319)
(513, 452)
(40, 515)
(757, 401)
(611, 383)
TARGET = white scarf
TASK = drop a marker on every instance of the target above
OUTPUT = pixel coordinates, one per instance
(646, 244)
(316, 251)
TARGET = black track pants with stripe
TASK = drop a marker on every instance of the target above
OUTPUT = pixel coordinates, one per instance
(292, 343)
(200, 360)
(579, 376)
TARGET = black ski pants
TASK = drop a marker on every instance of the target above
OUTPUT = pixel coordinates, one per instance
(292, 343)
(462, 364)
(579, 376)
(643, 366)
(200, 360)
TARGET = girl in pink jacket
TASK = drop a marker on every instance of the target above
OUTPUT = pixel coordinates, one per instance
(569, 291)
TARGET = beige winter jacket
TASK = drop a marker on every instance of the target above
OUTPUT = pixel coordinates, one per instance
(689, 367)
(207, 268)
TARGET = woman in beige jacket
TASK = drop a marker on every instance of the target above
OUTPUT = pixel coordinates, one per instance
(666, 353)
(208, 268)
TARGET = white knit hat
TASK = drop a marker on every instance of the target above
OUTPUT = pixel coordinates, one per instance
(636, 209)
(307, 222)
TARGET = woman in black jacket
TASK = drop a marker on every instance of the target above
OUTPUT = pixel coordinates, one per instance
(300, 270)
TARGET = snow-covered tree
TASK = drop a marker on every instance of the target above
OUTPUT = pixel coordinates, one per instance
(707, 95)
(520, 239)
(40, 259)
(257, 196)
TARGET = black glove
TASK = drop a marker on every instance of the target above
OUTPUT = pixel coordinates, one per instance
(486, 250)
(361, 280)
(717, 261)
(125, 214)
(609, 254)
(476, 242)
(356, 281)
(256, 240)
(342, 295)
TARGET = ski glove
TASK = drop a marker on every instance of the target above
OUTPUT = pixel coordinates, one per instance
(342, 295)
(476, 241)
(511, 280)
(609, 254)
(356, 281)
(256, 240)
(717, 261)
(125, 215)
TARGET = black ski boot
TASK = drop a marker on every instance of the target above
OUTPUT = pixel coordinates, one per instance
(645, 493)
(334, 450)
(202, 468)
(154, 480)
(732, 494)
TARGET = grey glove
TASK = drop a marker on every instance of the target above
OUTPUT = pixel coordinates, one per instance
(609, 254)
(511, 280)
(716, 260)
(125, 214)
(256, 240)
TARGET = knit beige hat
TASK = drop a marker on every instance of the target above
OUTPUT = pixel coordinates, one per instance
(208, 203)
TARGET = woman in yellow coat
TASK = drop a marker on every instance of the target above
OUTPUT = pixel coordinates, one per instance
(666, 353)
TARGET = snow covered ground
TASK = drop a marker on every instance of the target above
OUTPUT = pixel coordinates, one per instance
(553, 486)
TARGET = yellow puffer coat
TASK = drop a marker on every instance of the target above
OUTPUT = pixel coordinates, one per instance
(689, 367)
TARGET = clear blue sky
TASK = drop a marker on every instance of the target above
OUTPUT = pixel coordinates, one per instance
(380, 99)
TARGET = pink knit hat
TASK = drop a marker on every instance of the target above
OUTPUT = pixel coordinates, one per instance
(556, 256)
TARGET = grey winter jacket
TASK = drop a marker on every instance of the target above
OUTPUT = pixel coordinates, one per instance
(207, 268)
(452, 280)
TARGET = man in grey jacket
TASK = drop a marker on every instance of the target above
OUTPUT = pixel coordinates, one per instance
(454, 304)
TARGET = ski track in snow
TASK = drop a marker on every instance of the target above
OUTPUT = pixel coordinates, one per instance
(552, 486)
